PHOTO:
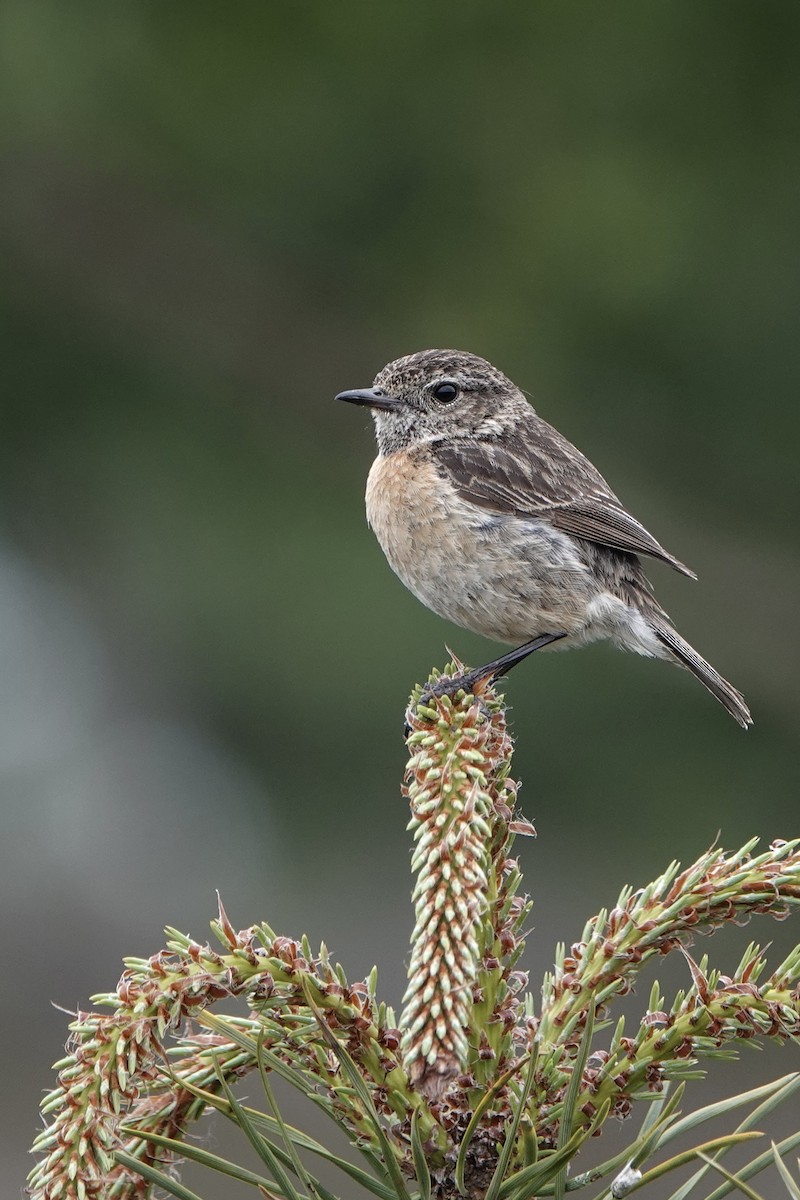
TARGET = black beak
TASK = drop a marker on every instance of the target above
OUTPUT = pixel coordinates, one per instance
(371, 398)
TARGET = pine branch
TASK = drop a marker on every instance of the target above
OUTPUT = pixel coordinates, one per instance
(474, 1094)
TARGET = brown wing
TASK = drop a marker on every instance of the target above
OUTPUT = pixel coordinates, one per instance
(545, 476)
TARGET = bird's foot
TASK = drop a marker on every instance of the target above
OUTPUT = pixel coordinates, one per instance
(474, 682)
(450, 685)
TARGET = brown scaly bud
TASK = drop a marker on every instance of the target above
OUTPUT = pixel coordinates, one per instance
(455, 756)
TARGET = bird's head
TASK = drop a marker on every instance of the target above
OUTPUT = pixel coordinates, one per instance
(438, 393)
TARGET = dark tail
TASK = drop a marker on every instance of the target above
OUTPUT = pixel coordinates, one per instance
(688, 657)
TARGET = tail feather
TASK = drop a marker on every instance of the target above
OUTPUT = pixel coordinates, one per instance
(688, 657)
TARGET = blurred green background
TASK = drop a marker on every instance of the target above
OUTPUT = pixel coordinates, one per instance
(213, 219)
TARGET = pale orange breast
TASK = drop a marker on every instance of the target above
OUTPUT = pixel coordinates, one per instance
(505, 576)
(407, 503)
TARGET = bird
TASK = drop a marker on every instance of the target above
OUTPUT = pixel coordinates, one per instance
(496, 522)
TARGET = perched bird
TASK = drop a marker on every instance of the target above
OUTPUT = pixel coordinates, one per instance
(498, 523)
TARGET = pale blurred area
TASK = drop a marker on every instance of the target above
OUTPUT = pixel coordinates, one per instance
(211, 222)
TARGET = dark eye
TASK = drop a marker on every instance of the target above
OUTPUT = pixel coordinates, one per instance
(446, 392)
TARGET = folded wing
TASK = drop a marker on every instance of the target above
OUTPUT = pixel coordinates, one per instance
(545, 476)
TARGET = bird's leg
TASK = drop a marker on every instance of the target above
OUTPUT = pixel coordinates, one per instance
(501, 666)
(493, 670)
